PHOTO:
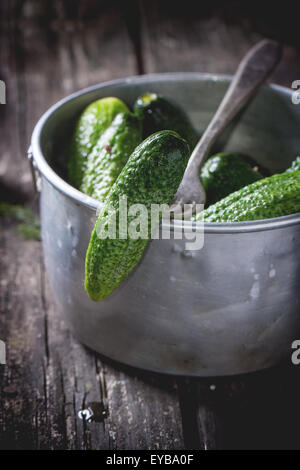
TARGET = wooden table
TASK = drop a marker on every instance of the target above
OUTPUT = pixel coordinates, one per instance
(47, 50)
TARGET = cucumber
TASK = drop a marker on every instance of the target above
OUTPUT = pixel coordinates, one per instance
(225, 173)
(110, 154)
(94, 120)
(151, 175)
(270, 197)
(295, 166)
(157, 114)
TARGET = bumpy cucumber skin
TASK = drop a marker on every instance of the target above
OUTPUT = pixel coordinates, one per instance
(158, 114)
(295, 166)
(94, 120)
(151, 175)
(270, 197)
(110, 154)
(225, 173)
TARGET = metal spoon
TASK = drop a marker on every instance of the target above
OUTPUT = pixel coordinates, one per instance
(252, 72)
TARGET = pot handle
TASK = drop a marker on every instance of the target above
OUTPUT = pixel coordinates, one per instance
(36, 179)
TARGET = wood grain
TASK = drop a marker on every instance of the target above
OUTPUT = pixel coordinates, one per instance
(204, 41)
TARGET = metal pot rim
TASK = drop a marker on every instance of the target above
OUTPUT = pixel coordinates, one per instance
(81, 198)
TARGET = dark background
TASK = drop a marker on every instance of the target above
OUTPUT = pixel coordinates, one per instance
(49, 49)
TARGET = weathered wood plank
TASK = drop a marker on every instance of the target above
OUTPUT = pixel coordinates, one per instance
(49, 377)
(174, 42)
(149, 416)
(211, 41)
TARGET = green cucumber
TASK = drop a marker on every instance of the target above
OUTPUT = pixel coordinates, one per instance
(225, 173)
(295, 166)
(151, 175)
(159, 114)
(94, 120)
(270, 197)
(110, 154)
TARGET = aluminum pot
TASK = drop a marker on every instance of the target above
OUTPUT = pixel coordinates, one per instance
(231, 307)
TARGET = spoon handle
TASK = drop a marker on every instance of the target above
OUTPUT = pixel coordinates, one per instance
(252, 71)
